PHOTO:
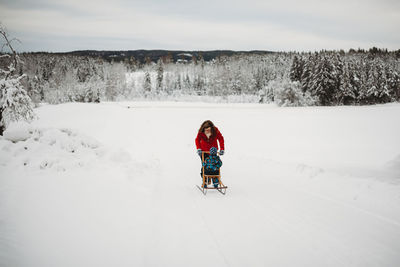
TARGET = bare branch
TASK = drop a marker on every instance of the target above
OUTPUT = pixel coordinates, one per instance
(4, 33)
(15, 39)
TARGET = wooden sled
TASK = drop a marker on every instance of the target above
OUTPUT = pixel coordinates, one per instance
(208, 178)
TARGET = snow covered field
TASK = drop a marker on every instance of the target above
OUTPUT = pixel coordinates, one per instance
(113, 184)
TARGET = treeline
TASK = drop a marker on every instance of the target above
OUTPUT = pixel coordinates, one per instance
(138, 57)
(348, 78)
(286, 78)
(224, 76)
(65, 78)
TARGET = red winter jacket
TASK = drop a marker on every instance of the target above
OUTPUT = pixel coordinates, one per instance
(203, 143)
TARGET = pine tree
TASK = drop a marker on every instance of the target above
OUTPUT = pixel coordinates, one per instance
(296, 70)
(346, 93)
(147, 83)
(236, 82)
(198, 85)
(160, 75)
(323, 82)
(187, 84)
(338, 73)
(307, 74)
(367, 88)
(382, 92)
(393, 82)
(177, 83)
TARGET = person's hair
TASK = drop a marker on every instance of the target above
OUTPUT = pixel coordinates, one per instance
(207, 124)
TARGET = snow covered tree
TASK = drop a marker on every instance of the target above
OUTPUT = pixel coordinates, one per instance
(114, 81)
(367, 87)
(147, 83)
(177, 82)
(288, 93)
(296, 70)
(382, 91)
(15, 104)
(323, 82)
(160, 75)
(259, 81)
(198, 85)
(308, 70)
(347, 92)
(236, 83)
(187, 84)
(393, 82)
(338, 75)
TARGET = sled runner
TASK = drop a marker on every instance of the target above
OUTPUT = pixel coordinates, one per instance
(208, 178)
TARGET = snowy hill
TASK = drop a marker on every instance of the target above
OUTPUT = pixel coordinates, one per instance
(113, 184)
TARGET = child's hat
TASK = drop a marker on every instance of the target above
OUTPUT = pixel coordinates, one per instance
(213, 150)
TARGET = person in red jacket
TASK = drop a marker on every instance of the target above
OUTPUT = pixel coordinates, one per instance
(207, 137)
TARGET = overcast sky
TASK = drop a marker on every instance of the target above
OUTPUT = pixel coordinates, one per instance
(277, 25)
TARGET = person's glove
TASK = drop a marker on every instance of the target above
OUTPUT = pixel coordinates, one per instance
(221, 152)
(199, 152)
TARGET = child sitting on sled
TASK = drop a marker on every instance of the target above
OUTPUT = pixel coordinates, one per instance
(211, 164)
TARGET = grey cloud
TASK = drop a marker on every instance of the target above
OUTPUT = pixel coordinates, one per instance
(350, 23)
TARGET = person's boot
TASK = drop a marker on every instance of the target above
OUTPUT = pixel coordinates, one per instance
(215, 182)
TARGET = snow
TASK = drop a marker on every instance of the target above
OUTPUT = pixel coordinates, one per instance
(394, 166)
(107, 185)
(18, 131)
